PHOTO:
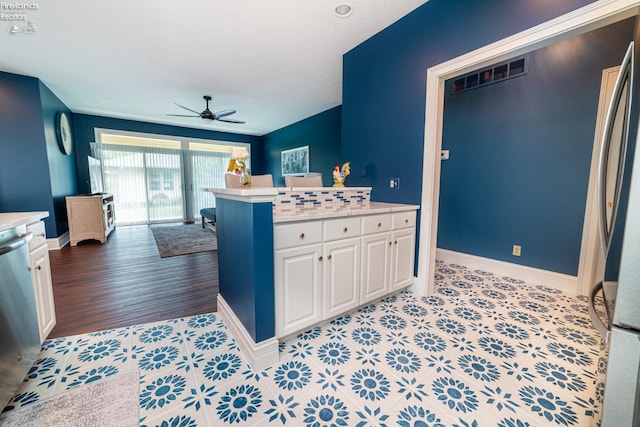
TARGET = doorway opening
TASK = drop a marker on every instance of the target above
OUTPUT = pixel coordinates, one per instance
(583, 20)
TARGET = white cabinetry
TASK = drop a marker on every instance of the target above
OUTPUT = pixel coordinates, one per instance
(298, 277)
(376, 257)
(41, 278)
(341, 276)
(325, 268)
(388, 255)
(403, 249)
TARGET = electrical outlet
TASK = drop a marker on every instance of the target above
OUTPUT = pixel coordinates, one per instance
(517, 249)
(394, 183)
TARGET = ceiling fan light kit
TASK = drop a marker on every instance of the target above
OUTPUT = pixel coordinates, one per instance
(220, 116)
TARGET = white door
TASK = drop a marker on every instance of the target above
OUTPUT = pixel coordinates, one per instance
(376, 255)
(592, 259)
(341, 274)
(298, 288)
(402, 259)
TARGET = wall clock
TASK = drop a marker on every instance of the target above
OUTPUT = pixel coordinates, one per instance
(63, 132)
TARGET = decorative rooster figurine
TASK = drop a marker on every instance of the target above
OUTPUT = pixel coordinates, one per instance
(339, 175)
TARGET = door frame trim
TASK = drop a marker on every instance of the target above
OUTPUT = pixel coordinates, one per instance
(587, 18)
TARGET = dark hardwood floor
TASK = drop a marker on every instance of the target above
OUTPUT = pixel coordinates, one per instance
(125, 282)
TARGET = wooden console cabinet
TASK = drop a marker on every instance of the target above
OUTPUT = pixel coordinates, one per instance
(90, 217)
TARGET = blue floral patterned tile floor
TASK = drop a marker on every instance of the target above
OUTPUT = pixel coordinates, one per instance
(483, 350)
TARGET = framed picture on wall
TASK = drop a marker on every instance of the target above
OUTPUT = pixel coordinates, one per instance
(295, 161)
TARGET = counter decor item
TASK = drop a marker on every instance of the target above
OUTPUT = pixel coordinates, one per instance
(238, 165)
(340, 174)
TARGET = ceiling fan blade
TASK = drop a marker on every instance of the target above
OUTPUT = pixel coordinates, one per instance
(224, 113)
(231, 120)
(188, 109)
(183, 115)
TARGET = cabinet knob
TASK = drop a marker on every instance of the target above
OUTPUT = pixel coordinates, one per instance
(38, 267)
(379, 224)
(390, 243)
(302, 235)
(406, 221)
(345, 229)
(41, 235)
(328, 256)
(320, 258)
(395, 242)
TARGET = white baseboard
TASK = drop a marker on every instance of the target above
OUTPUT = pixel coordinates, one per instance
(260, 355)
(59, 242)
(563, 282)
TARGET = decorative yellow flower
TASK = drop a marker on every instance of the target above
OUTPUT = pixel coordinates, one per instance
(238, 165)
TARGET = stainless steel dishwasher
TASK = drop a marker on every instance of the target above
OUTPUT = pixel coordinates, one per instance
(19, 336)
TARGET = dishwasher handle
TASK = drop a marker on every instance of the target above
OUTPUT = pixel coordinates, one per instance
(18, 242)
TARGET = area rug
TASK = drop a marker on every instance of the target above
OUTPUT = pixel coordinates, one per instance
(112, 402)
(184, 239)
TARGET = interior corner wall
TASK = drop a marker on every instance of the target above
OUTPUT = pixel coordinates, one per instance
(520, 155)
(321, 132)
(384, 82)
(84, 126)
(24, 166)
(62, 167)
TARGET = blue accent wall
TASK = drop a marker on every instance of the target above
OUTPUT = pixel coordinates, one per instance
(384, 82)
(62, 168)
(245, 260)
(322, 133)
(520, 155)
(33, 176)
(84, 133)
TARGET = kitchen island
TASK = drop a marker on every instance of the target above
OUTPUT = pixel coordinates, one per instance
(292, 258)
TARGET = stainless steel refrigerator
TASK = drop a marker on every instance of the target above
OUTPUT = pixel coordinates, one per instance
(619, 219)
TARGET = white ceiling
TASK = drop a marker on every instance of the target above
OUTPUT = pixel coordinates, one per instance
(276, 62)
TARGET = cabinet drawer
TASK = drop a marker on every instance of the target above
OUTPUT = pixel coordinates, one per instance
(341, 228)
(404, 220)
(297, 234)
(39, 234)
(376, 224)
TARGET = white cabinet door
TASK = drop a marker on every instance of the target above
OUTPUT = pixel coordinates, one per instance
(402, 258)
(376, 256)
(43, 289)
(341, 274)
(298, 290)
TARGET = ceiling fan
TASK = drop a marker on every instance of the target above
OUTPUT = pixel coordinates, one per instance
(207, 114)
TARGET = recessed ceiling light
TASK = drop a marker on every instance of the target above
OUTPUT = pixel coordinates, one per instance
(343, 10)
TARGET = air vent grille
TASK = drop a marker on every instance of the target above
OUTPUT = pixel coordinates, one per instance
(489, 75)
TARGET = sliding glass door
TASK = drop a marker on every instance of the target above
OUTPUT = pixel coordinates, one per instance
(208, 165)
(157, 180)
(165, 191)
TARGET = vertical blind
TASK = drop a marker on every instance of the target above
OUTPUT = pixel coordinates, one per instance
(154, 184)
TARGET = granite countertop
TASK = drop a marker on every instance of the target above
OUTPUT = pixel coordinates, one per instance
(374, 208)
(274, 191)
(14, 219)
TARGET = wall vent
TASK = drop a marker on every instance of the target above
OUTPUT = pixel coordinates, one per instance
(489, 75)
